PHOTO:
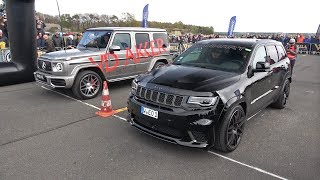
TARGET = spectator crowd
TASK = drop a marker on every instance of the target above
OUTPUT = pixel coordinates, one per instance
(58, 41)
(193, 38)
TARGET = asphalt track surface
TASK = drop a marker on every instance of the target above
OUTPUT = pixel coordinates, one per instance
(46, 134)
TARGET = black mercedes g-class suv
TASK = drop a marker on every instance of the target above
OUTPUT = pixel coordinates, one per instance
(205, 96)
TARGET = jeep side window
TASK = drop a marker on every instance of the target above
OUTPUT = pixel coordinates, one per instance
(273, 54)
(260, 56)
(162, 36)
(142, 38)
(281, 53)
(122, 40)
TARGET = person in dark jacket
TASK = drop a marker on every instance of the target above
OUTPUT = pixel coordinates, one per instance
(307, 39)
(40, 25)
(79, 37)
(40, 41)
(3, 25)
(49, 46)
(57, 41)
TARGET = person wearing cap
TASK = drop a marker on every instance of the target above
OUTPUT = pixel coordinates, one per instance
(70, 42)
(292, 51)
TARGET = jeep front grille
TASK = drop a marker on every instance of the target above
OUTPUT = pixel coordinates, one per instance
(159, 97)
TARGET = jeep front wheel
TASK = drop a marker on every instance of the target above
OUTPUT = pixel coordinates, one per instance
(87, 85)
(230, 130)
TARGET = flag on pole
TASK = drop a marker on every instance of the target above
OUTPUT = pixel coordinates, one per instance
(232, 24)
(145, 15)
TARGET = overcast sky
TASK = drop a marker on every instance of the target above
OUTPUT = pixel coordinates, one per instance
(252, 15)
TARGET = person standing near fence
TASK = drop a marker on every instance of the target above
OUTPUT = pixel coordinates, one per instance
(40, 25)
(3, 24)
(292, 51)
(40, 41)
(57, 41)
(49, 46)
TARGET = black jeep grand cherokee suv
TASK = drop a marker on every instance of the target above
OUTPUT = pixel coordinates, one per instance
(205, 96)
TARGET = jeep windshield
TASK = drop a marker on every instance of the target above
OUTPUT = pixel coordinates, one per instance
(231, 58)
(95, 39)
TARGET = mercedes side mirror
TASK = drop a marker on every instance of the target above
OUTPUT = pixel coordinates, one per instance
(114, 48)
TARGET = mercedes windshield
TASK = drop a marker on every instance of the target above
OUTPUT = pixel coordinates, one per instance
(95, 39)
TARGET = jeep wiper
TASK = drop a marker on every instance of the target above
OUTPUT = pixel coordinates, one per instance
(200, 66)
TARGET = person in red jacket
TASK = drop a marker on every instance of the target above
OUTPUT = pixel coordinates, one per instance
(292, 51)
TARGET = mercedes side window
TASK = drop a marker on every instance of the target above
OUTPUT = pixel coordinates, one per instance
(122, 40)
(281, 53)
(272, 54)
(162, 36)
(141, 39)
(260, 56)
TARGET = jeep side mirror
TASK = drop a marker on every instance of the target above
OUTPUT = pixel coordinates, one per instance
(114, 48)
(262, 67)
(250, 72)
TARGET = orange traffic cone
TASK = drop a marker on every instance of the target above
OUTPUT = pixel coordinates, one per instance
(106, 108)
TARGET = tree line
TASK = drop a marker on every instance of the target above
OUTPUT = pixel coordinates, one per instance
(81, 22)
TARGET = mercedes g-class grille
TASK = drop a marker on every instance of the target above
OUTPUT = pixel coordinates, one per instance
(44, 65)
(159, 97)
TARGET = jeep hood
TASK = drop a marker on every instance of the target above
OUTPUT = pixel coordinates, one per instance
(70, 54)
(191, 78)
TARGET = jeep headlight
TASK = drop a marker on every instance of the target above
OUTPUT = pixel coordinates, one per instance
(134, 85)
(202, 101)
(57, 67)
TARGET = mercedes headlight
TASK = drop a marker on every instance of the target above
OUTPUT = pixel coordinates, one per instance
(202, 101)
(57, 67)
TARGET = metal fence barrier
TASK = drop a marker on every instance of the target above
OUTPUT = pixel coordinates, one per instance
(309, 48)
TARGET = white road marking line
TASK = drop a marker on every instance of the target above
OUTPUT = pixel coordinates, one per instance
(124, 119)
(95, 107)
(224, 157)
(90, 105)
(235, 161)
(252, 167)
(253, 115)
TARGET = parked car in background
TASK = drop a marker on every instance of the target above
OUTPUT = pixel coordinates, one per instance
(137, 50)
(205, 96)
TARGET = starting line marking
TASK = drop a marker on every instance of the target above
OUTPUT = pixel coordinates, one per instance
(219, 155)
